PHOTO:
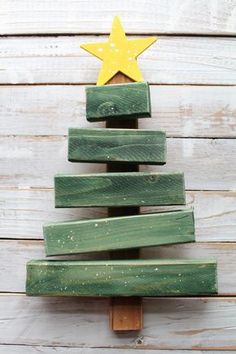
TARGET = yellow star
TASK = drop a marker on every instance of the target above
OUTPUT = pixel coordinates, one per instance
(119, 54)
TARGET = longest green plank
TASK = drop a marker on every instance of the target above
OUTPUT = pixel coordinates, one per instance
(119, 189)
(119, 232)
(121, 278)
(117, 145)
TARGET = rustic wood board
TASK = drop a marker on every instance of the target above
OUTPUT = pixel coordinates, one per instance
(24, 211)
(186, 323)
(193, 325)
(118, 101)
(68, 16)
(33, 162)
(13, 273)
(119, 233)
(121, 278)
(182, 111)
(33, 349)
(172, 60)
(119, 189)
(117, 145)
(23, 251)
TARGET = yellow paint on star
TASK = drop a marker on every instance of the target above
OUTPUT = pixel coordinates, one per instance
(119, 54)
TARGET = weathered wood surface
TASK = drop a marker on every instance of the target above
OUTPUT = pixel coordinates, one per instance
(183, 111)
(171, 277)
(119, 189)
(118, 101)
(127, 313)
(13, 274)
(117, 145)
(30, 349)
(67, 16)
(24, 211)
(208, 164)
(119, 233)
(171, 60)
(186, 323)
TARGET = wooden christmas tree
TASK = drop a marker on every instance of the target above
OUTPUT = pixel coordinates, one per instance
(125, 278)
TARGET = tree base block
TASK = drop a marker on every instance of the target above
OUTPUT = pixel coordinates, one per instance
(126, 314)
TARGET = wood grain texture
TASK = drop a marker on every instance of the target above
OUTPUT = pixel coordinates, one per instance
(208, 164)
(13, 274)
(44, 17)
(119, 233)
(124, 314)
(30, 349)
(24, 211)
(119, 189)
(127, 313)
(118, 101)
(117, 145)
(136, 277)
(186, 323)
(193, 325)
(171, 60)
(182, 111)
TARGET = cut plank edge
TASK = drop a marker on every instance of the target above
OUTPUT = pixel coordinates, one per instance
(94, 235)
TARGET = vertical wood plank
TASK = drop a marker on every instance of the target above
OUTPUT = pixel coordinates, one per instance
(126, 314)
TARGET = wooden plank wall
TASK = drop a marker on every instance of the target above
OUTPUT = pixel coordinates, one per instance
(192, 71)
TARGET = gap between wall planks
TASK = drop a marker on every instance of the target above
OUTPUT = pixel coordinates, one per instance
(126, 314)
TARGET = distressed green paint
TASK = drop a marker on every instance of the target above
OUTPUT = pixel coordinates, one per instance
(120, 101)
(121, 278)
(119, 189)
(117, 145)
(119, 233)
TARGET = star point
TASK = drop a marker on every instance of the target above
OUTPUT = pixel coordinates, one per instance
(119, 54)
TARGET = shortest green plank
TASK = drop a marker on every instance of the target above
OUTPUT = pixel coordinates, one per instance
(166, 277)
(120, 101)
(118, 233)
(117, 145)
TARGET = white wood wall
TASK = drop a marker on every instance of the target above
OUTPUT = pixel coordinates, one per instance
(192, 71)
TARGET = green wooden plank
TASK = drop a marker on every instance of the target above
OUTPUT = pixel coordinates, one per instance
(117, 145)
(121, 278)
(119, 232)
(119, 189)
(120, 101)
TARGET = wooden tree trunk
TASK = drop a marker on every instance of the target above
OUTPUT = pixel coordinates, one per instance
(126, 314)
